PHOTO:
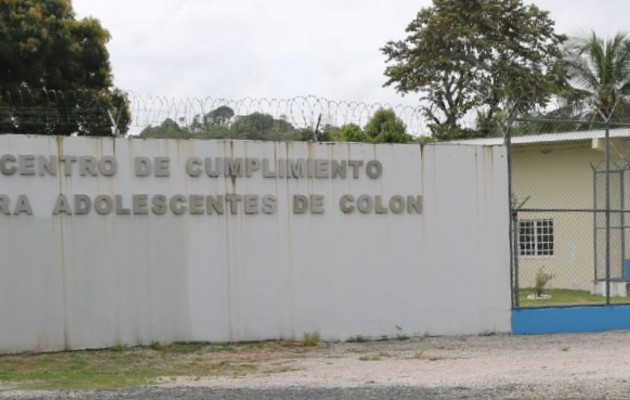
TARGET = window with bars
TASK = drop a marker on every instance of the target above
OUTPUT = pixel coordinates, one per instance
(535, 237)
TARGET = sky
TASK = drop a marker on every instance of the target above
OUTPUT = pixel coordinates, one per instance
(283, 48)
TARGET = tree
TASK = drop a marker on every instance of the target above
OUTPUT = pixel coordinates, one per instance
(258, 126)
(383, 127)
(350, 133)
(598, 79)
(168, 129)
(219, 117)
(55, 75)
(386, 127)
(212, 125)
(486, 56)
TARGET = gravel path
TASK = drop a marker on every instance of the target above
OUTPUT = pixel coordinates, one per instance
(589, 366)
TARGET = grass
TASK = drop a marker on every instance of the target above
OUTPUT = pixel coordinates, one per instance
(357, 339)
(78, 370)
(122, 366)
(311, 339)
(375, 357)
(420, 355)
(566, 297)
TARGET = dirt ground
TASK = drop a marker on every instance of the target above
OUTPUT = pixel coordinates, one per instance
(579, 366)
(564, 360)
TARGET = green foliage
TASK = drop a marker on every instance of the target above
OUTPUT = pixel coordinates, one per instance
(375, 357)
(386, 127)
(383, 127)
(324, 133)
(253, 126)
(483, 55)
(598, 79)
(217, 125)
(350, 133)
(122, 366)
(566, 297)
(118, 348)
(219, 117)
(56, 77)
(445, 132)
(422, 140)
(371, 357)
(169, 129)
(157, 346)
(541, 280)
(496, 125)
(259, 126)
(311, 339)
(215, 132)
(357, 339)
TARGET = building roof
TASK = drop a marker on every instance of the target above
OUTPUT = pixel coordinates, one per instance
(563, 137)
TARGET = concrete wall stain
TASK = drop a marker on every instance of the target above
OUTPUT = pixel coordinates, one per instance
(252, 277)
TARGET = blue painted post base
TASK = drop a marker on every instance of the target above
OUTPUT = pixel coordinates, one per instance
(540, 321)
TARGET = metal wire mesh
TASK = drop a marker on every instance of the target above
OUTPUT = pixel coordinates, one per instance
(23, 109)
(571, 216)
(300, 111)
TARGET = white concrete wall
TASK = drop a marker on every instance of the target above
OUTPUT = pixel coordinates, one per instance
(89, 281)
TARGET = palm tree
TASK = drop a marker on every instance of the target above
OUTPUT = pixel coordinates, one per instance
(598, 79)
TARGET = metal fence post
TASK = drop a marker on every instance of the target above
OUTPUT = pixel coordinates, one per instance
(607, 157)
(513, 219)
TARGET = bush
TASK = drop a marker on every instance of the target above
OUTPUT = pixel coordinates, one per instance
(311, 339)
(542, 278)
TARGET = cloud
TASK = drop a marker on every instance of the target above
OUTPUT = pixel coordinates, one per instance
(280, 48)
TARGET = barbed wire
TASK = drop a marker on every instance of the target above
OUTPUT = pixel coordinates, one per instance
(299, 111)
(25, 110)
(23, 107)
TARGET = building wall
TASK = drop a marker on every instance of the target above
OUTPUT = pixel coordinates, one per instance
(71, 278)
(559, 176)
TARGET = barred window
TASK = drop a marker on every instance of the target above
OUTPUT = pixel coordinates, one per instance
(535, 237)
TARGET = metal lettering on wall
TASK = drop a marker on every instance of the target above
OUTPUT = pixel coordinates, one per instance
(107, 241)
(234, 168)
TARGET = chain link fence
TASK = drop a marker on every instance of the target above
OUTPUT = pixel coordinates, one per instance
(571, 215)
